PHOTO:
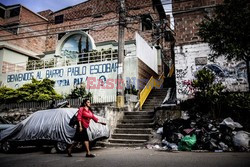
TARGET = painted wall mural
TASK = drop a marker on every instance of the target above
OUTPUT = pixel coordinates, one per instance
(99, 78)
(192, 58)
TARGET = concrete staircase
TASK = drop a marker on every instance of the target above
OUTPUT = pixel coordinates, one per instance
(155, 99)
(133, 130)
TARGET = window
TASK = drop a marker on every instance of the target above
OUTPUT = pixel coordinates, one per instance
(59, 19)
(147, 22)
(2, 13)
(74, 45)
(14, 12)
(60, 35)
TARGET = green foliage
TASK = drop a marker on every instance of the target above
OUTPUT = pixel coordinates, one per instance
(228, 32)
(35, 91)
(210, 98)
(80, 92)
(208, 95)
(239, 102)
(8, 94)
(131, 90)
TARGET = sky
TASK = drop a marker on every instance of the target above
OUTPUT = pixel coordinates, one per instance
(40, 5)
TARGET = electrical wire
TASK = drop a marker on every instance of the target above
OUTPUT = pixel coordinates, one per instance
(51, 29)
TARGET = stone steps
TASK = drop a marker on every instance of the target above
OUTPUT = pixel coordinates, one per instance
(134, 130)
(131, 136)
(139, 125)
(127, 141)
(137, 121)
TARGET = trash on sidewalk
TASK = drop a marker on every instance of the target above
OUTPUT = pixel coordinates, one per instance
(199, 132)
(241, 140)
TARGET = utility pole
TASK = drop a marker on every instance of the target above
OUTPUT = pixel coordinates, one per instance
(120, 89)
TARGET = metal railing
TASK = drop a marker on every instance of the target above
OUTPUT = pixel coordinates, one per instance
(45, 104)
(59, 61)
(152, 83)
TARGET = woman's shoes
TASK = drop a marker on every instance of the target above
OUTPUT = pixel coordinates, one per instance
(69, 152)
(90, 155)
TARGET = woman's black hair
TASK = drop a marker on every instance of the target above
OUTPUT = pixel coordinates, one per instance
(83, 104)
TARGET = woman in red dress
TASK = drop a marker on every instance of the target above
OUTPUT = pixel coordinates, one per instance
(84, 116)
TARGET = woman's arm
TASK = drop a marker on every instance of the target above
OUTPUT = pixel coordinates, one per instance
(80, 126)
(79, 117)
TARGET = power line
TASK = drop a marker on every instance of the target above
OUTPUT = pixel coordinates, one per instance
(91, 15)
(51, 21)
(48, 34)
(51, 29)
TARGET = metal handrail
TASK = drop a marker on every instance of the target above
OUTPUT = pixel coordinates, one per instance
(152, 83)
(171, 71)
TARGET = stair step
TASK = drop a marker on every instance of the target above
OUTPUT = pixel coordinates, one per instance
(139, 125)
(152, 104)
(107, 144)
(126, 141)
(131, 136)
(133, 131)
(135, 121)
(139, 113)
(137, 116)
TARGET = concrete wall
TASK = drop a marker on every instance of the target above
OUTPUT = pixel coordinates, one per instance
(68, 77)
(130, 70)
(13, 57)
(1, 61)
(1, 64)
(111, 114)
(191, 58)
(146, 54)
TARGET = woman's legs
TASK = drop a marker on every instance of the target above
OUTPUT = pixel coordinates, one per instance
(71, 147)
(88, 154)
(86, 143)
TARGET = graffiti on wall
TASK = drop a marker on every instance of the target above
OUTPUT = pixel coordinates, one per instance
(181, 73)
(184, 87)
(233, 75)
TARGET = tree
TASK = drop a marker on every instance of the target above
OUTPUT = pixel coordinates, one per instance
(228, 32)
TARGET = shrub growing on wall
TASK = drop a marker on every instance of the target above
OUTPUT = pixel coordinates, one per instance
(208, 95)
(35, 91)
(79, 92)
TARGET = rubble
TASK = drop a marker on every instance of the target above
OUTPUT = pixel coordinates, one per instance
(199, 132)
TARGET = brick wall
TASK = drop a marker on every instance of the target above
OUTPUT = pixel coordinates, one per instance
(101, 20)
(189, 13)
(36, 40)
(99, 17)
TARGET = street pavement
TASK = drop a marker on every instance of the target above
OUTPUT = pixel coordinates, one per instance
(129, 157)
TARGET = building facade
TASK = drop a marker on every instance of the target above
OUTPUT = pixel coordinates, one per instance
(192, 54)
(80, 43)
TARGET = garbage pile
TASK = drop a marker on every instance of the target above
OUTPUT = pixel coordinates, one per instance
(201, 133)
